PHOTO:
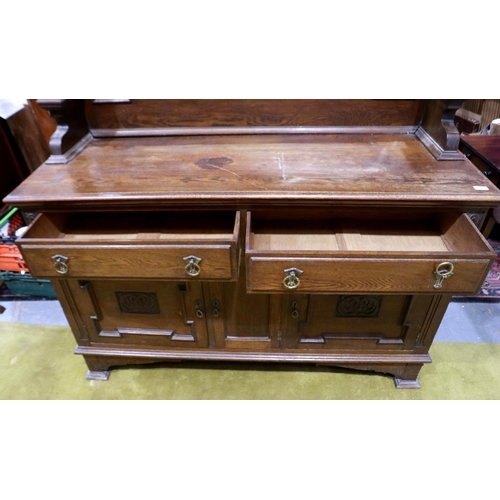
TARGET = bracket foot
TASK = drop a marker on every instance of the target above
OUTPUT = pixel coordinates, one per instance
(97, 375)
(406, 384)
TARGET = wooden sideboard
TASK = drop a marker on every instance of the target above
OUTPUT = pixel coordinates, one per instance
(325, 232)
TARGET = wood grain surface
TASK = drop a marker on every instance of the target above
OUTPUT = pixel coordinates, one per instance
(170, 113)
(232, 170)
(360, 275)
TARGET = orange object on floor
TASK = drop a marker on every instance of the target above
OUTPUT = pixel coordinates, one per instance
(11, 259)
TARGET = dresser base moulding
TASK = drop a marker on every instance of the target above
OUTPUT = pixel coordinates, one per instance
(404, 367)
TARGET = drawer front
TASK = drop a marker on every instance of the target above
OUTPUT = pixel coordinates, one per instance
(445, 254)
(160, 245)
(162, 262)
(358, 275)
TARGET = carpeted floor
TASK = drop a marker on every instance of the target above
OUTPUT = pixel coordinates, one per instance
(36, 362)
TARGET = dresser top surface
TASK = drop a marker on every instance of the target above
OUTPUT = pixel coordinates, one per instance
(356, 169)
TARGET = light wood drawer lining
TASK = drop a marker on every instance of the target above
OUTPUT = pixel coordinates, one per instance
(455, 235)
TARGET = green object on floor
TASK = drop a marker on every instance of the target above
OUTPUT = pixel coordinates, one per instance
(25, 284)
(37, 362)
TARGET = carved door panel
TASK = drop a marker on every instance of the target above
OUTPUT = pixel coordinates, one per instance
(142, 313)
(351, 322)
(242, 321)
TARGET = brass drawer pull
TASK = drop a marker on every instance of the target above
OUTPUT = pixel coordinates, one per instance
(292, 279)
(60, 263)
(443, 271)
(192, 265)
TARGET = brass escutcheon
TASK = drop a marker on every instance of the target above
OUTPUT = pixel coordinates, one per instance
(442, 272)
(60, 263)
(192, 265)
(215, 310)
(292, 279)
(198, 306)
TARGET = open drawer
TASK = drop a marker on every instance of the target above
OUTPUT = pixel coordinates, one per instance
(163, 245)
(444, 254)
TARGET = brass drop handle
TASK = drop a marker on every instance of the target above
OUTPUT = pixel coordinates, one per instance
(442, 272)
(292, 279)
(61, 263)
(192, 265)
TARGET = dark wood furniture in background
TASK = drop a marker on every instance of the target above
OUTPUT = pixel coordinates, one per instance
(484, 152)
(23, 147)
(305, 231)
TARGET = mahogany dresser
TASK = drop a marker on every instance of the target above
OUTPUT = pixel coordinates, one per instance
(331, 232)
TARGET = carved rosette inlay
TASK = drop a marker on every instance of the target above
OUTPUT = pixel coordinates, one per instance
(138, 302)
(358, 306)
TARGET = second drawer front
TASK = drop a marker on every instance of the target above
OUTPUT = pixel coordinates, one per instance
(363, 275)
(217, 262)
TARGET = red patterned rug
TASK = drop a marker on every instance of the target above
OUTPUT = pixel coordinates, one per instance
(491, 287)
(490, 291)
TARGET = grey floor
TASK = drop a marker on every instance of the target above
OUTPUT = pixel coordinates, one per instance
(463, 321)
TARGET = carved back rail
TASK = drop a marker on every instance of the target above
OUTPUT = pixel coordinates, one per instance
(81, 120)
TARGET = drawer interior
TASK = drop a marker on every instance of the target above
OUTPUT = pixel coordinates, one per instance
(150, 226)
(398, 236)
(428, 235)
(285, 235)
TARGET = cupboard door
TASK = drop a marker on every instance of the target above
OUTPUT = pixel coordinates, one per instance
(148, 314)
(354, 322)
